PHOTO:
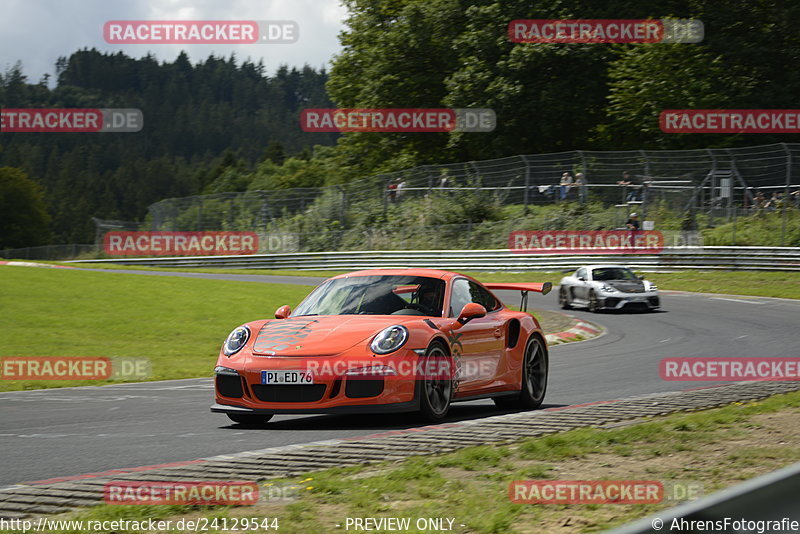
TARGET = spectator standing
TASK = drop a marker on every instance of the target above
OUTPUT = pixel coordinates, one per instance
(775, 202)
(566, 183)
(631, 186)
(401, 185)
(632, 223)
(795, 198)
(759, 201)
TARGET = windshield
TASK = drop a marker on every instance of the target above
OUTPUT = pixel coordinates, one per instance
(613, 273)
(376, 295)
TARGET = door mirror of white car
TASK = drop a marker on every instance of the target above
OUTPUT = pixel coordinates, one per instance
(283, 312)
(582, 278)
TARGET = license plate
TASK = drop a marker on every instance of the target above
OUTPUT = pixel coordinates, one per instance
(287, 377)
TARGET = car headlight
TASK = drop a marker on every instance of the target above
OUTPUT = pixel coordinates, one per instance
(236, 340)
(653, 287)
(389, 339)
(227, 371)
(607, 288)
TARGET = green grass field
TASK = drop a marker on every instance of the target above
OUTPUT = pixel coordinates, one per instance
(179, 323)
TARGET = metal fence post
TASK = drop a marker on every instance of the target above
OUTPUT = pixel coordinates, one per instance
(200, 215)
(527, 184)
(342, 203)
(583, 191)
(385, 194)
(646, 167)
(477, 173)
(785, 203)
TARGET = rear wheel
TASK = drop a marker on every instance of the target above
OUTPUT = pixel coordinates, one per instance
(563, 298)
(534, 378)
(249, 419)
(436, 384)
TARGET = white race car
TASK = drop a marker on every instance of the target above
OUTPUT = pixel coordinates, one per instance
(607, 287)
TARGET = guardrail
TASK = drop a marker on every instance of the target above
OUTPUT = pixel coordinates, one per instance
(675, 258)
(769, 498)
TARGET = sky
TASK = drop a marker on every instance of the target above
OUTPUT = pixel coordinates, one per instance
(37, 32)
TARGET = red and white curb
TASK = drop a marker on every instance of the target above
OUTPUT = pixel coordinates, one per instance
(34, 264)
(579, 331)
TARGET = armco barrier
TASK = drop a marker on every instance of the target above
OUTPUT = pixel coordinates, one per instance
(678, 258)
(769, 498)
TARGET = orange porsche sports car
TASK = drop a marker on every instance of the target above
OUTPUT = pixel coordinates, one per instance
(388, 340)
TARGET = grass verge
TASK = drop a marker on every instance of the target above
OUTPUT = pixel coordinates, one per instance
(178, 323)
(706, 450)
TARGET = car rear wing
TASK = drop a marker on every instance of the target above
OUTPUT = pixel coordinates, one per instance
(523, 288)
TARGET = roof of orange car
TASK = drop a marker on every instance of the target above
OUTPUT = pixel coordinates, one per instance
(430, 273)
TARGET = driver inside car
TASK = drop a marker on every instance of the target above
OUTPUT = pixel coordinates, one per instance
(430, 300)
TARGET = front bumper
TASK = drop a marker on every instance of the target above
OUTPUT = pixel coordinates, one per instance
(411, 406)
(618, 301)
(333, 391)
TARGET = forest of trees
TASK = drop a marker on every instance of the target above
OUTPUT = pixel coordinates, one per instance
(222, 125)
(200, 121)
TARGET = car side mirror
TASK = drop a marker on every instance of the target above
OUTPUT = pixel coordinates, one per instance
(470, 311)
(582, 278)
(640, 277)
(283, 312)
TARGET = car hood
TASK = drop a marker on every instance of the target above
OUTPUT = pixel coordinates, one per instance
(323, 335)
(627, 286)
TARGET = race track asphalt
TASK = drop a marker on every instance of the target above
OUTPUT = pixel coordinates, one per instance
(72, 431)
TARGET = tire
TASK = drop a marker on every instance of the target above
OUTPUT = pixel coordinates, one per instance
(248, 419)
(594, 306)
(534, 378)
(563, 299)
(435, 393)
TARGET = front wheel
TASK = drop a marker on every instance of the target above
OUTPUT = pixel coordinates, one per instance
(563, 299)
(534, 378)
(249, 419)
(435, 387)
(594, 305)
